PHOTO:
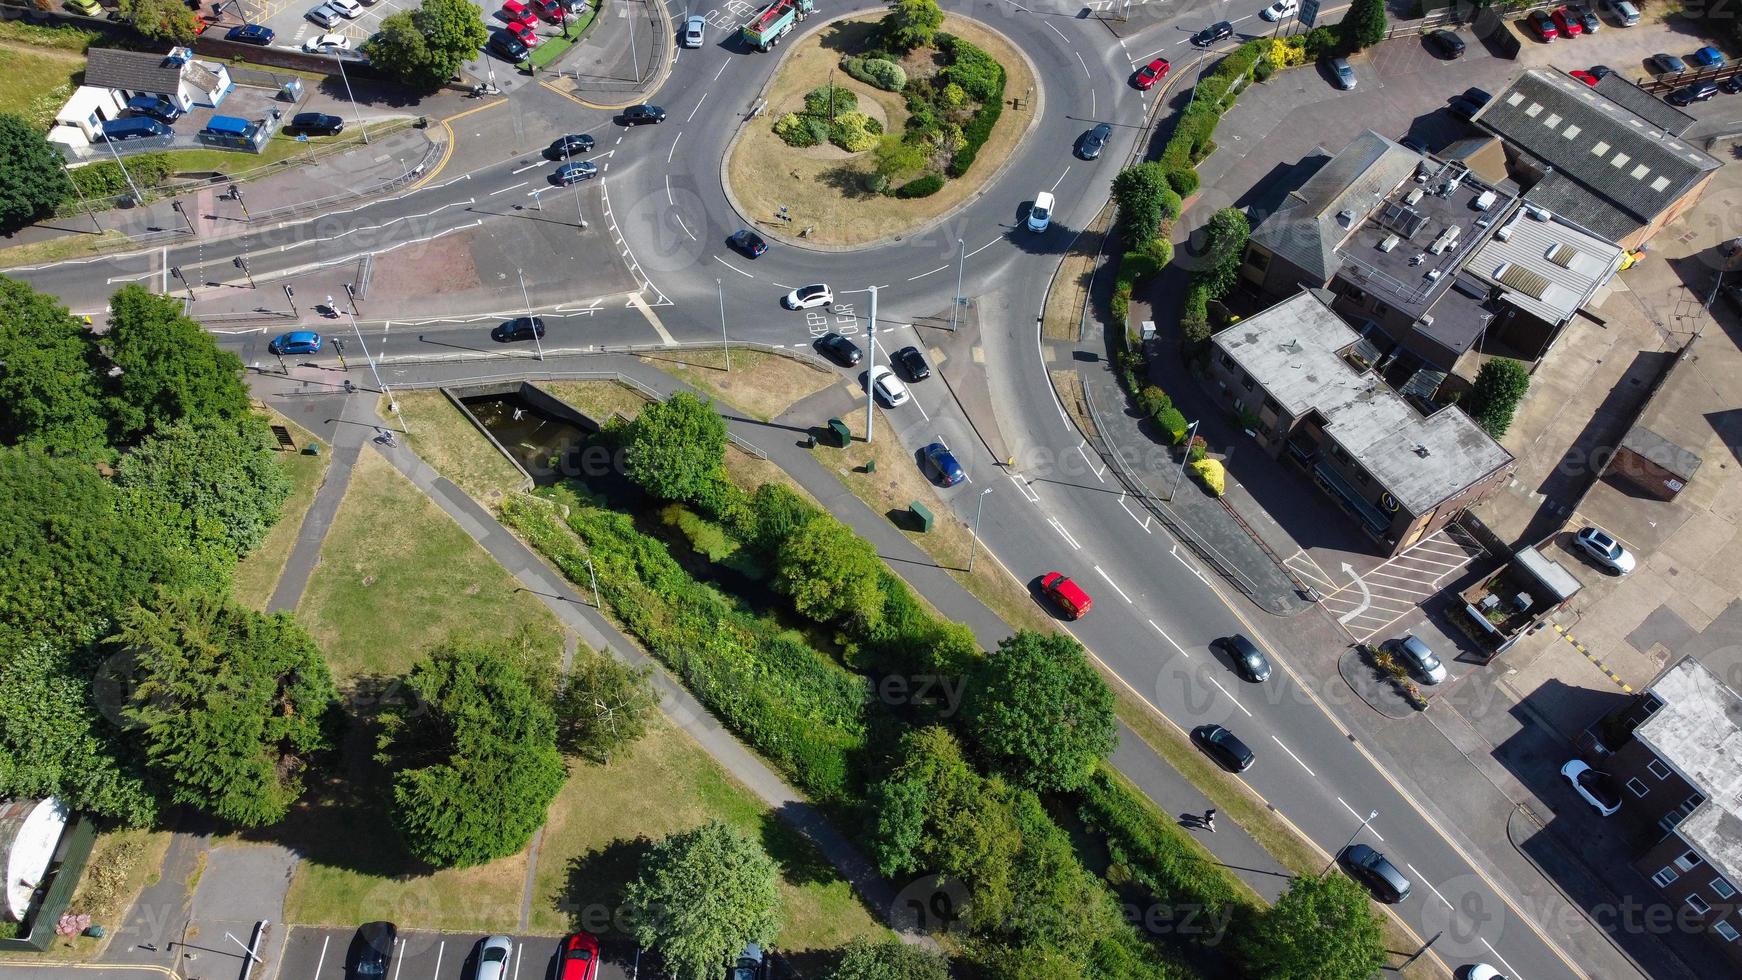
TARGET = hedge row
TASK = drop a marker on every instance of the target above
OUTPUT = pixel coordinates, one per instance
(925, 185)
(106, 179)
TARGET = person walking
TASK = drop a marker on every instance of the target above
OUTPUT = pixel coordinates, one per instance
(1210, 819)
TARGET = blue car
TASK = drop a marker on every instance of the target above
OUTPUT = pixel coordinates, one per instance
(296, 342)
(155, 106)
(943, 465)
(251, 34)
(1707, 57)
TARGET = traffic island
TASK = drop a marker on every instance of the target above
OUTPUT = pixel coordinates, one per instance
(854, 143)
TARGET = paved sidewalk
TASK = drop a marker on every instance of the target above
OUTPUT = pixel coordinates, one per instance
(346, 435)
(624, 58)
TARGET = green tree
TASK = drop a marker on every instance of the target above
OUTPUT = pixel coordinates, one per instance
(1040, 712)
(890, 959)
(1217, 266)
(49, 396)
(424, 48)
(700, 895)
(170, 367)
(1144, 199)
(1322, 928)
(830, 573)
(214, 483)
(54, 741)
(676, 449)
(911, 23)
(1363, 26)
(472, 748)
(228, 703)
(602, 705)
(33, 175)
(1500, 386)
(162, 20)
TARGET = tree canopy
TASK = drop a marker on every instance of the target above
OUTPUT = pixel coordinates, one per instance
(890, 959)
(50, 398)
(1363, 26)
(603, 705)
(1500, 385)
(1322, 928)
(228, 703)
(675, 449)
(1217, 267)
(424, 48)
(472, 748)
(830, 573)
(163, 20)
(33, 176)
(1144, 198)
(700, 895)
(170, 367)
(911, 23)
(214, 484)
(1040, 712)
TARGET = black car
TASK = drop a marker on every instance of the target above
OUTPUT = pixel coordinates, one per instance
(1463, 107)
(1249, 661)
(519, 328)
(316, 124)
(1731, 85)
(635, 115)
(507, 45)
(912, 363)
(250, 34)
(1477, 96)
(1215, 32)
(371, 951)
(839, 348)
(1091, 143)
(747, 242)
(155, 106)
(1223, 746)
(574, 172)
(1689, 94)
(568, 146)
(1600, 72)
(1378, 875)
(1449, 45)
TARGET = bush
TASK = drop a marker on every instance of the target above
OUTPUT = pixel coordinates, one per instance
(1499, 387)
(1320, 42)
(875, 182)
(855, 132)
(1211, 474)
(1183, 180)
(1120, 305)
(922, 186)
(1264, 70)
(1197, 449)
(105, 179)
(884, 74)
(1153, 401)
(1154, 851)
(981, 77)
(795, 130)
(1289, 53)
(817, 102)
(1158, 250)
(1173, 422)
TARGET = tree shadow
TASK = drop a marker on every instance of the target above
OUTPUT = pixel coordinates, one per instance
(846, 181)
(591, 895)
(848, 37)
(800, 862)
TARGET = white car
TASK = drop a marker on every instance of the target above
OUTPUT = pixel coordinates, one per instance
(1280, 9)
(695, 31)
(1480, 971)
(325, 16)
(1605, 550)
(493, 958)
(805, 297)
(1594, 786)
(327, 44)
(351, 9)
(888, 387)
(1040, 216)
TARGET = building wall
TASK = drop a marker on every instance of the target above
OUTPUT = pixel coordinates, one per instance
(1275, 275)
(1668, 215)
(1698, 896)
(1644, 475)
(1634, 766)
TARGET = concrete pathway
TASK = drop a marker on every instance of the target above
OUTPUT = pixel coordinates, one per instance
(356, 423)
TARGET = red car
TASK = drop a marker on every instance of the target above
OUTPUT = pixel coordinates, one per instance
(580, 958)
(548, 9)
(522, 29)
(1543, 25)
(1585, 76)
(1151, 73)
(1071, 599)
(1567, 23)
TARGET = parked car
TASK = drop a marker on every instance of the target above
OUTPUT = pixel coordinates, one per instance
(1280, 10)
(1420, 659)
(840, 348)
(507, 45)
(1687, 95)
(912, 363)
(1146, 77)
(1215, 32)
(132, 128)
(90, 8)
(327, 44)
(580, 958)
(1584, 76)
(1596, 787)
(493, 958)
(574, 172)
(155, 106)
(1447, 43)
(371, 951)
(1587, 19)
(1249, 661)
(251, 34)
(296, 342)
(695, 31)
(942, 465)
(325, 16)
(1469, 102)
(806, 297)
(888, 387)
(1091, 143)
(349, 9)
(1567, 23)
(1223, 746)
(567, 146)
(637, 115)
(747, 242)
(1543, 26)
(1479, 971)
(1605, 550)
(1707, 57)
(1666, 64)
(1040, 215)
(1731, 85)
(1343, 73)
(1412, 142)
(519, 328)
(1378, 875)
(1479, 96)
(1068, 595)
(549, 9)
(523, 31)
(750, 964)
(1624, 12)
(315, 124)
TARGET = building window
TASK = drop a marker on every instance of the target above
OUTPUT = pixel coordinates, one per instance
(1725, 929)
(1246, 381)
(1638, 788)
(1688, 861)
(1673, 818)
(1227, 362)
(1698, 904)
(1663, 878)
(1658, 769)
(1258, 259)
(1723, 888)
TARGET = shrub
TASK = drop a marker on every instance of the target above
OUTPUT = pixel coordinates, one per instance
(1320, 42)
(1173, 422)
(875, 182)
(1153, 401)
(1290, 53)
(980, 77)
(1120, 305)
(855, 132)
(1158, 250)
(886, 75)
(1212, 475)
(1184, 181)
(1264, 70)
(819, 129)
(977, 132)
(1499, 387)
(795, 130)
(817, 101)
(1197, 449)
(105, 179)
(922, 186)
(1153, 850)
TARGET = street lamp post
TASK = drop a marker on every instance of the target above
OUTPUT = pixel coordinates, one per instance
(961, 260)
(871, 366)
(392, 403)
(581, 215)
(1191, 433)
(1364, 822)
(242, 263)
(347, 80)
(531, 320)
(724, 342)
(290, 297)
(975, 543)
(130, 185)
(594, 578)
(351, 293)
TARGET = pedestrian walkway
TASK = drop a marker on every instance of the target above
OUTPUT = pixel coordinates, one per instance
(624, 58)
(1368, 602)
(355, 424)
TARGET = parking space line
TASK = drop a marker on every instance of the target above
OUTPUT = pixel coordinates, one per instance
(322, 960)
(441, 947)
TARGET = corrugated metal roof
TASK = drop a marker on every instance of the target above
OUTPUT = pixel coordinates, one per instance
(1548, 269)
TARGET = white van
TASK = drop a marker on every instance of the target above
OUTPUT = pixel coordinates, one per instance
(1040, 216)
(1624, 12)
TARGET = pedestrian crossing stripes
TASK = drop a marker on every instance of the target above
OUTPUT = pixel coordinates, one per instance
(1366, 603)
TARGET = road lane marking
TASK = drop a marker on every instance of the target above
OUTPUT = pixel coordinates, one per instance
(1143, 523)
(1027, 491)
(441, 947)
(722, 71)
(1296, 758)
(399, 966)
(698, 107)
(1061, 34)
(1060, 528)
(686, 228)
(1509, 970)
(1056, 183)
(1114, 584)
(525, 168)
(668, 199)
(505, 190)
(1169, 639)
(322, 961)
(1430, 885)
(673, 151)
(985, 246)
(924, 274)
(1237, 703)
(1091, 462)
(1085, 65)
(733, 267)
(1349, 808)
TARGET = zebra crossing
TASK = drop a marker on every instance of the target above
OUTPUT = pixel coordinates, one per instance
(1366, 603)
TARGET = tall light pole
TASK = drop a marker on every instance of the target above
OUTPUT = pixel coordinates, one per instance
(1191, 433)
(975, 543)
(392, 403)
(569, 157)
(130, 185)
(531, 320)
(727, 344)
(347, 80)
(1365, 821)
(870, 366)
(595, 578)
(961, 260)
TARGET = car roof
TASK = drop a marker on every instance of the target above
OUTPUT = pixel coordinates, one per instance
(1043, 199)
(1070, 589)
(296, 336)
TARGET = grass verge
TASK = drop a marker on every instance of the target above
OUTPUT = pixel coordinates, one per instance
(257, 574)
(1062, 317)
(63, 247)
(445, 439)
(1068, 385)
(598, 400)
(37, 81)
(762, 384)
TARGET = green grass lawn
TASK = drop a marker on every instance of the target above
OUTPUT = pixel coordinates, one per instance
(37, 81)
(257, 574)
(447, 440)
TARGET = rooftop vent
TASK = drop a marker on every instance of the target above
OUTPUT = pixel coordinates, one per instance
(1388, 243)
(1563, 255)
(1346, 217)
(1536, 212)
(1522, 280)
(1446, 241)
(1421, 450)
(1415, 194)
(1486, 200)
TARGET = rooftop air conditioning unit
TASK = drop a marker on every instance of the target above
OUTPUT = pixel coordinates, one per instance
(1444, 243)
(1486, 200)
(1413, 196)
(1505, 232)
(1538, 213)
(1389, 243)
(1433, 275)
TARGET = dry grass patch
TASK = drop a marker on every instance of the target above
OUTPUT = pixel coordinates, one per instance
(598, 400)
(445, 439)
(762, 384)
(823, 191)
(1068, 385)
(257, 574)
(1063, 317)
(122, 864)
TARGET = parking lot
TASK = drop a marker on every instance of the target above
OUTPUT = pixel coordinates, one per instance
(289, 20)
(319, 954)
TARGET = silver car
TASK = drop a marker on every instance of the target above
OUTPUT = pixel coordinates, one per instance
(1605, 550)
(1345, 75)
(695, 31)
(325, 16)
(493, 958)
(1422, 660)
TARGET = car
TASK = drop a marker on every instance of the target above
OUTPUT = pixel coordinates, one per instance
(1378, 875)
(1666, 64)
(327, 44)
(1040, 215)
(1343, 73)
(523, 32)
(251, 34)
(1218, 31)
(1689, 94)
(1223, 746)
(888, 387)
(1463, 108)
(749, 964)
(1587, 19)
(155, 106)
(1707, 57)
(493, 958)
(519, 328)
(1479, 96)
(1449, 45)
(1731, 85)
(574, 172)
(325, 16)
(549, 9)
(316, 124)
(942, 464)
(1624, 12)
(579, 958)
(1249, 661)
(747, 242)
(1091, 143)
(1567, 23)
(507, 45)
(1279, 10)
(806, 297)
(1146, 77)
(1420, 658)
(371, 951)
(1584, 76)
(1601, 71)
(567, 146)
(844, 351)
(296, 342)
(912, 363)
(349, 9)
(1604, 549)
(1068, 595)
(1413, 142)
(1596, 787)
(1543, 26)
(636, 115)
(90, 8)
(695, 31)
(133, 128)
(1479, 971)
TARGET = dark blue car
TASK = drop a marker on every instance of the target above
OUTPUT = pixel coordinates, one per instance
(1708, 57)
(155, 106)
(251, 34)
(943, 465)
(296, 342)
